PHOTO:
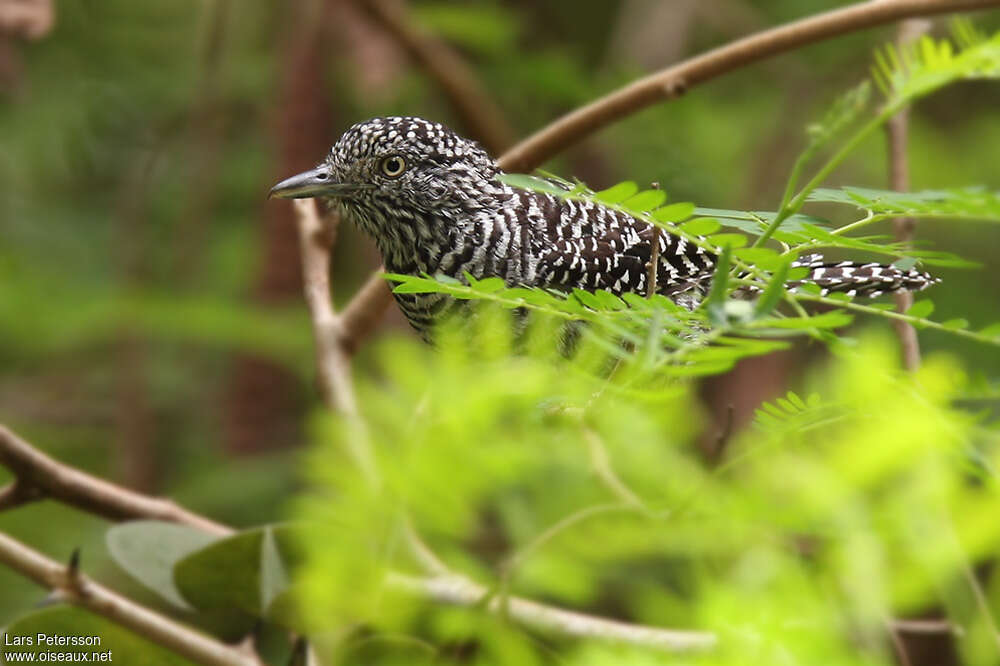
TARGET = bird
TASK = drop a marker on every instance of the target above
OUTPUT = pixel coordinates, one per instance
(434, 203)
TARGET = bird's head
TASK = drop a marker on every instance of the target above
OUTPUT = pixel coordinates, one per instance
(385, 172)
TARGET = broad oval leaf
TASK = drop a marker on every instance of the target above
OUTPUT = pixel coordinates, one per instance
(534, 183)
(617, 193)
(245, 572)
(701, 226)
(799, 272)
(645, 200)
(921, 308)
(762, 257)
(148, 550)
(731, 241)
(991, 331)
(675, 212)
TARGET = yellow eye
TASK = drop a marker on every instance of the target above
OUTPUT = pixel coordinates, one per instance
(393, 166)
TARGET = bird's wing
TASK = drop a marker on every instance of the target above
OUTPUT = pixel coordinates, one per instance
(591, 246)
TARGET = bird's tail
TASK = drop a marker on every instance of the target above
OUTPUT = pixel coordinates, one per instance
(856, 279)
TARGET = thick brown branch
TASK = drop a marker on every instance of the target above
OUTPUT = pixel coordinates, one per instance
(476, 110)
(463, 592)
(73, 587)
(677, 79)
(39, 475)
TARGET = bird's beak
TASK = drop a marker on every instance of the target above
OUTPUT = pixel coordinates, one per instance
(315, 183)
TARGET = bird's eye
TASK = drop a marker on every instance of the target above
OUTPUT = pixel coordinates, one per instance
(393, 166)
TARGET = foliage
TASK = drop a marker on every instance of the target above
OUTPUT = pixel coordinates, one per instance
(545, 477)
(561, 463)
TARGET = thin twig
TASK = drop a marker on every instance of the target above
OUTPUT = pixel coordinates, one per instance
(361, 316)
(600, 461)
(460, 591)
(316, 235)
(675, 80)
(475, 107)
(41, 475)
(71, 586)
(899, 179)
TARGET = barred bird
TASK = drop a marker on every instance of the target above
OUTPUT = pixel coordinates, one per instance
(433, 203)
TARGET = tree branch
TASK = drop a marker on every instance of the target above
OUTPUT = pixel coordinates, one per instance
(672, 82)
(316, 237)
(460, 591)
(360, 317)
(39, 475)
(675, 80)
(73, 587)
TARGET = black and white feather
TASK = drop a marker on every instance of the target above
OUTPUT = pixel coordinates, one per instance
(447, 213)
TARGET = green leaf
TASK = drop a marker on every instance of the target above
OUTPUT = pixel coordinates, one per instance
(618, 193)
(774, 290)
(993, 330)
(148, 550)
(675, 212)
(796, 400)
(956, 324)
(701, 226)
(243, 573)
(969, 203)
(832, 319)
(587, 299)
(921, 308)
(754, 222)
(489, 285)
(417, 285)
(645, 200)
(762, 257)
(730, 241)
(716, 299)
(608, 301)
(98, 635)
(532, 183)
(810, 288)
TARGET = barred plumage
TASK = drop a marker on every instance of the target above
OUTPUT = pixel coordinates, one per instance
(433, 204)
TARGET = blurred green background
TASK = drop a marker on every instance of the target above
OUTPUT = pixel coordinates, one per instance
(151, 327)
